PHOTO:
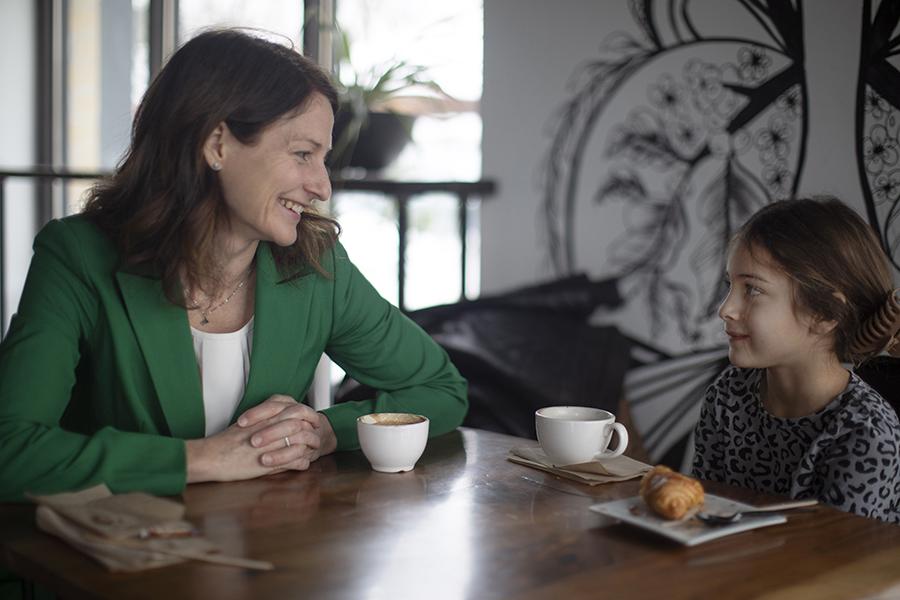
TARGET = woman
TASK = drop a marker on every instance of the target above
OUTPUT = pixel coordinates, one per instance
(164, 334)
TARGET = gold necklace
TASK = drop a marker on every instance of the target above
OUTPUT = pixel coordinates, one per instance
(204, 314)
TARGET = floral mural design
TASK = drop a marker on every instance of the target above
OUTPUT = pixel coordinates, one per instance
(722, 133)
(878, 122)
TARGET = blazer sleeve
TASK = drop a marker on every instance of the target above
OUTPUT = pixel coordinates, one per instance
(39, 359)
(379, 346)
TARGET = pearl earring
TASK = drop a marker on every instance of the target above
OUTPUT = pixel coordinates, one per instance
(216, 166)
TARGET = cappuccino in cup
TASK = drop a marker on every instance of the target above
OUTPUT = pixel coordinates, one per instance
(392, 419)
(392, 442)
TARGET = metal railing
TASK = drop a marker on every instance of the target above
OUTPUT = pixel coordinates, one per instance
(402, 193)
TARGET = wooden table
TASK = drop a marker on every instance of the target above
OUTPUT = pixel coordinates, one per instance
(466, 523)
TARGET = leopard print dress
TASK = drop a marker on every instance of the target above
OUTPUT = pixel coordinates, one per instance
(847, 454)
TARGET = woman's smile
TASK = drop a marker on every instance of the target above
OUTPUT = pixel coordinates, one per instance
(294, 209)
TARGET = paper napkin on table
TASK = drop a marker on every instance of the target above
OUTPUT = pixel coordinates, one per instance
(127, 532)
(608, 470)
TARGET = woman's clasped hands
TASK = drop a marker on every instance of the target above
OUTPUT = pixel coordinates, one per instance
(277, 435)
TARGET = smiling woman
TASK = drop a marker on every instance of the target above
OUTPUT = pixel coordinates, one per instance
(268, 185)
(140, 357)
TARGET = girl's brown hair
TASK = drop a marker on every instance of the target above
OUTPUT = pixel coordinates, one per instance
(833, 258)
(163, 205)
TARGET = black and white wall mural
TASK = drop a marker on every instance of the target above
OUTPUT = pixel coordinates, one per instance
(878, 122)
(719, 131)
(684, 119)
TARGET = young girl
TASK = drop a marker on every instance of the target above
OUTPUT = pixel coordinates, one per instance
(788, 417)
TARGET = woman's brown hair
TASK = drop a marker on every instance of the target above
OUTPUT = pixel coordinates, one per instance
(163, 205)
(833, 258)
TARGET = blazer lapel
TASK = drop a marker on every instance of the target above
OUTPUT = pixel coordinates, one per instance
(281, 315)
(164, 336)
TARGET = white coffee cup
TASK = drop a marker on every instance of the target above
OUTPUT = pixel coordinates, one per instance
(393, 442)
(577, 434)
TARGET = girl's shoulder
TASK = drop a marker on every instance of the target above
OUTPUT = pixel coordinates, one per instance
(861, 407)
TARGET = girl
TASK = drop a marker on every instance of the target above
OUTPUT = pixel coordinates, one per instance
(788, 417)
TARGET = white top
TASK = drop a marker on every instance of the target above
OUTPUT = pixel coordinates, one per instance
(224, 361)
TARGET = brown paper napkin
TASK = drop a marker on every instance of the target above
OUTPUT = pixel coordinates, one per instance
(128, 532)
(620, 468)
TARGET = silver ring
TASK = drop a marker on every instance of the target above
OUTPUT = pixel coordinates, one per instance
(287, 442)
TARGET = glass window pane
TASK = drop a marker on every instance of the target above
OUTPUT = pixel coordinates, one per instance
(369, 233)
(433, 252)
(473, 249)
(105, 74)
(447, 40)
(282, 17)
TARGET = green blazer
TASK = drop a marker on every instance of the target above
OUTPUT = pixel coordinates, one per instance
(99, 382)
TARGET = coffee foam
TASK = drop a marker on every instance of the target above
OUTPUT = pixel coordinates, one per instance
(392, 419)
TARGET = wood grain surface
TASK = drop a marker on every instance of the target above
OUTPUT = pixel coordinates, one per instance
(466, 523)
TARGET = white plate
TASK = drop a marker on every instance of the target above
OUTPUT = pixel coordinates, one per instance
(690, 532)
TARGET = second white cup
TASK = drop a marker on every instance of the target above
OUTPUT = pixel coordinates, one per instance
(577, 434)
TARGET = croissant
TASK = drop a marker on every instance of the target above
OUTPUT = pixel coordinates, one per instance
(669, 494)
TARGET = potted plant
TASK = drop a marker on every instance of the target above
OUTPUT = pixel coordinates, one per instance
(377, 109)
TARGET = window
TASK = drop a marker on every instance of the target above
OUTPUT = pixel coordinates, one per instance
(281, 17)
(103, 76)
(446, 38)
(97, 68)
